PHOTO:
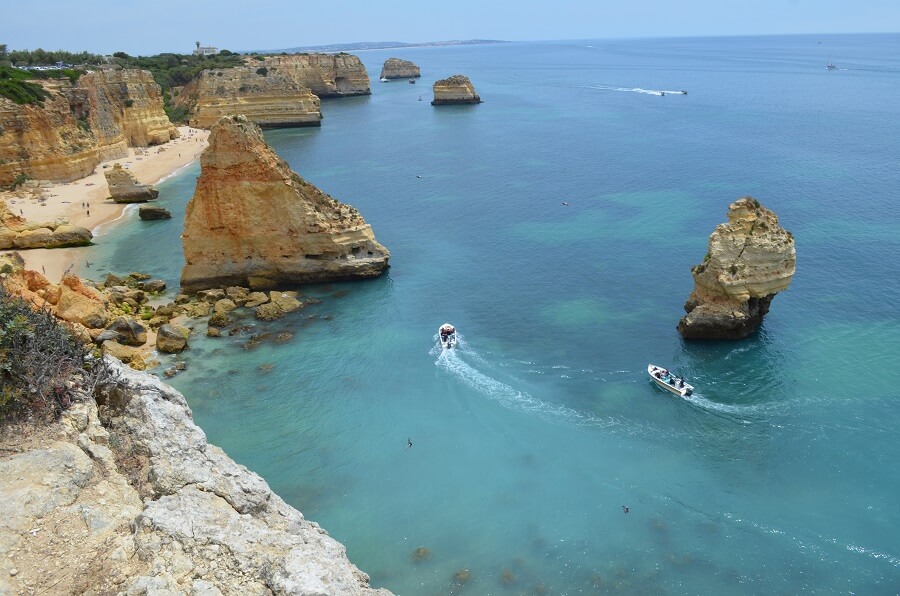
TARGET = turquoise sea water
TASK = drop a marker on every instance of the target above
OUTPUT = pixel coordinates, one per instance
(779, 476)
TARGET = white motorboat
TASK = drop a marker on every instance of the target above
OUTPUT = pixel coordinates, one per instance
(668, 381)
(447, 334)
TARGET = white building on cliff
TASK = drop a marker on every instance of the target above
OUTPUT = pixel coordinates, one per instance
(205, 50)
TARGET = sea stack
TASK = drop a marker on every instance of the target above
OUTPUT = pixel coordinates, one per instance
(750, 259)
(395, 68)
(124, 187)
(454, 90)
(252, 222)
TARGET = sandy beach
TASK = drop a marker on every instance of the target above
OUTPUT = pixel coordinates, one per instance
(86, 202)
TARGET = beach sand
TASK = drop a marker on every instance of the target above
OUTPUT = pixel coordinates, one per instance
(86, 202)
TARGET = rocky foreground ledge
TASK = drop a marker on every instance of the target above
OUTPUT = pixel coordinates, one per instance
(124, 495)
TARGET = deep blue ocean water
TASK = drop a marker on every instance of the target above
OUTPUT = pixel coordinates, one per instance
(780, 475)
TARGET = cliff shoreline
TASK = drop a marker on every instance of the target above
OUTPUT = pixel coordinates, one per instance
(130, 475)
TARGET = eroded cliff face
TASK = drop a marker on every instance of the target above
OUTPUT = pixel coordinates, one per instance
(750, 259)
(326, 75)
(80, 125)
(271, 100)
(253, 222)
(134, 500)
(456, 89)
(395, 68)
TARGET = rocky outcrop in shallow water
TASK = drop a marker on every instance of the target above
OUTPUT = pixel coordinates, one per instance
(454, 90)
(124, 187)
(750, 259)
(81, 124)
(395, 68)
(127, 492)
(253, 222)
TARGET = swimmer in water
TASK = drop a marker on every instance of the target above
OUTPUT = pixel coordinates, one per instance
(408, 443)
(625, 508)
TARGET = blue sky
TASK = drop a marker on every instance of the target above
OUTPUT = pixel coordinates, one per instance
(150, 27)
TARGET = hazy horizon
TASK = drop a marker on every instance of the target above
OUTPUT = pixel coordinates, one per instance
(101, 27)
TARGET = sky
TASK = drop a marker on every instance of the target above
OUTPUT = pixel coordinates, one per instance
(150, 27)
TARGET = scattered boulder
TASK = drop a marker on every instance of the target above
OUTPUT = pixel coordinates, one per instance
(155, 286)
(268, 312)
(151, 212)
(131, 333)
(286, 301)
(212, 295)
(254, 299)
(457, 89)
(225, 305)
(749, 260)
(219, 319)
(237, 294)
(124, 187)
(123, 353)
(171, 338)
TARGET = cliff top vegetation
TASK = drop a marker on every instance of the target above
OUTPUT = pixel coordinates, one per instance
(42, 366)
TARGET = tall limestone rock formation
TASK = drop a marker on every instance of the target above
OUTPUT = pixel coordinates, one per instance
(253, 222)
(81, 124)
(267, 97)
(395, 68)
(454, 90)
(750, 259)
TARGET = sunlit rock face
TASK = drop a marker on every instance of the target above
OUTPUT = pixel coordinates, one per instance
(253, 222)
(81, 124)
(750, 259)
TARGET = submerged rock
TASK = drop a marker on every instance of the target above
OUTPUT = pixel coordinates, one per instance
(124, 187)
(750, 259)
(454, 90)
(252, 218)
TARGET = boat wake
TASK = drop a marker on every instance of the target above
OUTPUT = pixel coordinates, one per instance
(658, 92)
(507, 395)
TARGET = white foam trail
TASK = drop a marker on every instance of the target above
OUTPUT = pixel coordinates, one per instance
(657, 92)
(512, 398)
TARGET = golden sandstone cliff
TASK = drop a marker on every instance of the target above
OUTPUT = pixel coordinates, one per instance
(456, 89)
(277, 91)
(253, 222)
(750, 259)
(81, 124)
(267, 97)
(395, 68)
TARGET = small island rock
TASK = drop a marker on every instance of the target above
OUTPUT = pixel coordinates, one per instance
(149, 212)
(124, 187)
(395, 68)
(457, 89)
(750, 259)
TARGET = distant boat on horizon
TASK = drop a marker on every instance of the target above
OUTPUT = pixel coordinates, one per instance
(831, 66)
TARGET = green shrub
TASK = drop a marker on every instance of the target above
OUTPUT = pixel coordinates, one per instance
(42, 367)
(129, 103)
(262, 70)
(14, 85)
